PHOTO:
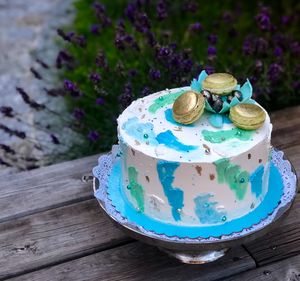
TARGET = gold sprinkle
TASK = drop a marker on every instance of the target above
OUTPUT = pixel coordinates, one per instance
(249, 155)
(147, 178)
(140, 109)
(206, 147)
(147, 142)
(260, 160)
(137, 142)
(133, 152)
(212, 177)
(199, 170)
(178, 129)
(143, 116)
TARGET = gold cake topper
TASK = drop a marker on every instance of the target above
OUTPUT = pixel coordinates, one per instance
(188, 107)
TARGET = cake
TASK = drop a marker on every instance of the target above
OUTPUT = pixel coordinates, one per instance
(209, 170)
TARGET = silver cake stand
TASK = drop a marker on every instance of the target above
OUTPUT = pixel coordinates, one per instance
(198, 251)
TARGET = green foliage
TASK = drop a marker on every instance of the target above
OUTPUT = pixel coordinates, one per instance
(242, 38)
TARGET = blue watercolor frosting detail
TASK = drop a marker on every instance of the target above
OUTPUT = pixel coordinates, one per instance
(256, 179)
(143, 132)
(116, 194)
(169, 118)
(206, 210)
(166, 172)
(216, 120)
(169, 140)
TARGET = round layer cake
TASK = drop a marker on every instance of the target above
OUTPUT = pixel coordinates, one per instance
(194, 174)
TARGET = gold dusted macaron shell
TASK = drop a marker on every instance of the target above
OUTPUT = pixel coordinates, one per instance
(188, 107)
(219, 83)
(247, 116)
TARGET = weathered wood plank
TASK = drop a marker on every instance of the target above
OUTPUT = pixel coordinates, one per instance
(282, 242)
(45, 188)
(286, 127)
(286, 270)
(137, 261)
(55, 236)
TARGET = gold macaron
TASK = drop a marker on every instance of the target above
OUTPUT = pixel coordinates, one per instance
(247, 116)
(219, 83)
(188, 107)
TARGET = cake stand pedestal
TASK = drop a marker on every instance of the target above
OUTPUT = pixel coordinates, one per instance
(200, 251)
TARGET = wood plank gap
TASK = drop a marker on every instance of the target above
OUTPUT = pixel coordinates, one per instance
(47, 208)
(69, 259)
(250, 254)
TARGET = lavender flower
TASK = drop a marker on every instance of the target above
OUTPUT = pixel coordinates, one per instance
(95, 29)
(100, 101)
(190, 6)
(101, 60)
(132, 72)
(78, 113)
(154, 74)
(209, 69)
(93, 136)
(195, 27)
(274, 72)
(212, 39)
(211, 51)
(294, 48)
(95, 77)
(33, 104)
(126, 97)
(248, 47)
(278, 51)
(7, 111)
(72, 88)
(263, 19)
(261, 46)
(161, 10)
(146, 91)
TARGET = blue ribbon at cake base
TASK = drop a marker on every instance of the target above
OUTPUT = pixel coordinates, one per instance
(122, 205)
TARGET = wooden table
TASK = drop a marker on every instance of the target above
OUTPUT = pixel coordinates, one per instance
(51, 228)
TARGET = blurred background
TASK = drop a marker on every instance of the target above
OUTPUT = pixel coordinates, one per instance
(69, 68)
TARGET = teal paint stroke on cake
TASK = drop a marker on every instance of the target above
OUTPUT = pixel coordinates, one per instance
(256, 180)
(142, 132)
(171, 141)
(169, 118)
(225, 135)
(164, 100)
(236, 178)
(174, 195)
(136, 190)
(206, 210)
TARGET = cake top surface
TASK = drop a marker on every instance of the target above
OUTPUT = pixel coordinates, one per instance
(147, 125)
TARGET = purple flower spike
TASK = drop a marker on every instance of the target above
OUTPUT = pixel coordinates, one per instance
(146, 91)
(211, 51)
(274, 72)
(278, 51)
(295, 48)
(95, 77)
(209, 69)
(154, 74)
(95, 29)
(100, 101)
(93, 136)
(263, 19)
(212, 39)
(78, 113)
(69, 85)
(196, 27)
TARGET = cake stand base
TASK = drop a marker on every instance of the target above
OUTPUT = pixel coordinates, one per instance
(195, 257)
